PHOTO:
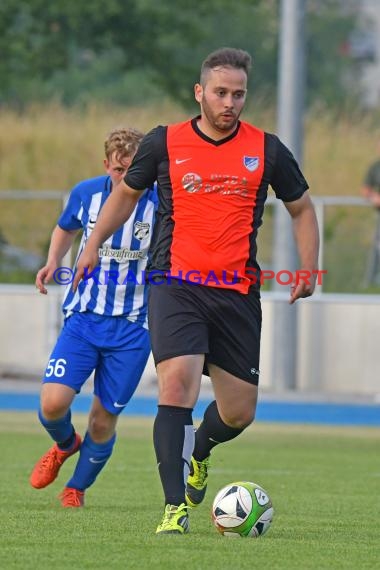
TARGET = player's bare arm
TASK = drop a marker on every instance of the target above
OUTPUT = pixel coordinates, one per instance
(305, 228)
(371, 195)
(60, 243)
(115, 212)
(366, 191)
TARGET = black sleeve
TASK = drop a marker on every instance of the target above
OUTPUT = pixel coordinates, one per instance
(370, 178)
(285, 176)
(145, 166)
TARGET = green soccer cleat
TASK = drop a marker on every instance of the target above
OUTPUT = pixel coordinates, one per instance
(196, 485)
(175, 520)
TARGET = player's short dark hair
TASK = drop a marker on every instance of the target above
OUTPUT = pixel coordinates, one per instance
(226, 57)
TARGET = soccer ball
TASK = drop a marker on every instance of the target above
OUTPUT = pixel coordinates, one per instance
(242, 509)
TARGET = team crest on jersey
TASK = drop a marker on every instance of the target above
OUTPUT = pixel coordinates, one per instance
(251, 162)
(141, 230)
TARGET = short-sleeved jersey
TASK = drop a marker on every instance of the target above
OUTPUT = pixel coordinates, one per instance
(211, 198)
(372, 179)
(117, 286)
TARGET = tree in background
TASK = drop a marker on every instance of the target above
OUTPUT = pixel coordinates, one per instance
(127, 51)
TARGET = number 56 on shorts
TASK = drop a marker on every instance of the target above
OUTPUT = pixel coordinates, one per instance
(56, 367)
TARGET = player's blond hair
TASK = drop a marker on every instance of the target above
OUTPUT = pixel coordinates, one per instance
(124, 141)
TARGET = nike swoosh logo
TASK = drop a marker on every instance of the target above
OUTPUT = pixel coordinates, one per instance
(117, 405)
(92, 460)
(180, 161)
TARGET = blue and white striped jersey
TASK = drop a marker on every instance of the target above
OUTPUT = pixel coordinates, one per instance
(117, 286)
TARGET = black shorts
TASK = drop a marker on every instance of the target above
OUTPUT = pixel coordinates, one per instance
(222, 324)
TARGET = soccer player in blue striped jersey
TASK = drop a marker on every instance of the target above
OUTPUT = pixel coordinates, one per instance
(105, 325)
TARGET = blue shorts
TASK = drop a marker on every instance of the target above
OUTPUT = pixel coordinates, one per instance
(114, 347)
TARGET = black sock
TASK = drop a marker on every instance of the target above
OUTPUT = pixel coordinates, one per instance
(211, 432)
(68, 442)
(173, 436)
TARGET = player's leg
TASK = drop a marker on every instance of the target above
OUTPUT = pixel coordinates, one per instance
(224, 419)
(228, 415)
(179, 341)
(117, 375)
(70, 364)
(233, 364)
(95, 451)
(173, 434)
(55, 416)
(54, 412)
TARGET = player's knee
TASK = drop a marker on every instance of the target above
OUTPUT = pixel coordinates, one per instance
(53, 408)
(178, 392)
(176, 396)
(240, 420)
(101, 428)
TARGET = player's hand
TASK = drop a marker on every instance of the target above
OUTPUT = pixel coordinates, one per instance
(87, 262)
(43, 277)
(302, 287)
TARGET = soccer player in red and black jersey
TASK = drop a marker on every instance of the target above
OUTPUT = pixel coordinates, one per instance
(213, 174)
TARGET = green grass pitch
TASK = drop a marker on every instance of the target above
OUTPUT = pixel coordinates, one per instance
(324, 483)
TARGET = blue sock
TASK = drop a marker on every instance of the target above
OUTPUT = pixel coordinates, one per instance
(92, 458)
(61, 431)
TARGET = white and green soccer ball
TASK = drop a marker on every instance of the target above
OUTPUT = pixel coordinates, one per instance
(242, 509)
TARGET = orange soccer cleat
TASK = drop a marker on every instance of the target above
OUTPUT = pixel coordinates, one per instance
(71, 498)
(47, 468)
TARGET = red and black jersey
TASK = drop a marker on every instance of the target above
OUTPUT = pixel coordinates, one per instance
(211, 198)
